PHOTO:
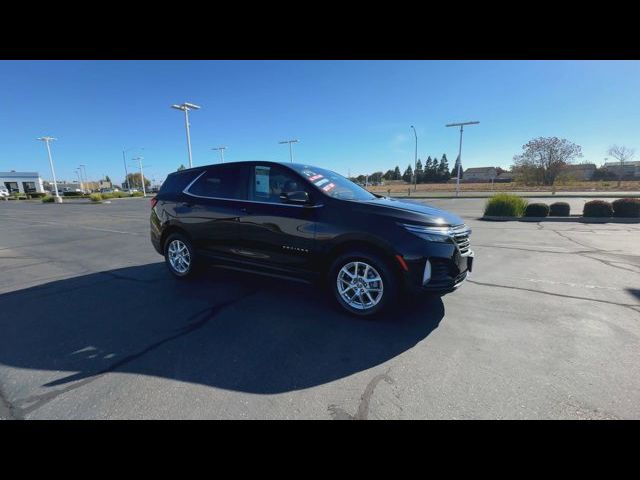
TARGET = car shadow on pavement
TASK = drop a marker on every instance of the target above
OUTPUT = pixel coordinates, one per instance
(228, 330)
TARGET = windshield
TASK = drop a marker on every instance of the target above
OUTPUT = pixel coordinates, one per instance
(333, 184)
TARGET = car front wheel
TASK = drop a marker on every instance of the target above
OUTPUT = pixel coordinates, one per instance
(362, 283)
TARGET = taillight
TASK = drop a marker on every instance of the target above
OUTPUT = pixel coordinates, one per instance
(154, 201)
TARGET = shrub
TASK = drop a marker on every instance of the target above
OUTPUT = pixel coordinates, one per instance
(72, 194)
(106, 196)
(597, 208)
(505, 205)
(626, 207)
(119, 194)
(95, 197)
(37, 194)
(137, 194)
(536, 210)
(48, 199)
(559, 209)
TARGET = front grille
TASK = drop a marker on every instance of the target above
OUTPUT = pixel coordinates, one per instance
(461, 237)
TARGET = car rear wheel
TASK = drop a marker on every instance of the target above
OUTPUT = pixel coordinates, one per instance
(362, 283)
(179, 256)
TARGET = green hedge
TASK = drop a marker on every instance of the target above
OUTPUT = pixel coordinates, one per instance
(48, 199)
(137, 194)
(95, 197)
(597, 208)
(537, 210)
(626, 207)
(505, 205)
(73, 194)
(559, 209)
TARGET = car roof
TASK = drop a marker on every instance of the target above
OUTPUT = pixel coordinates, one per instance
(245, 162)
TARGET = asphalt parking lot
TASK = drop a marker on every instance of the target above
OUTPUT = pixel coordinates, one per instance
(92, 326)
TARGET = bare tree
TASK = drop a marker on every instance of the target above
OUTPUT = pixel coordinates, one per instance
(545, 157)
(622, 154)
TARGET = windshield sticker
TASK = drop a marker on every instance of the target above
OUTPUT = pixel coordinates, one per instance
(328, 187)
(315, 177)
(321, 182)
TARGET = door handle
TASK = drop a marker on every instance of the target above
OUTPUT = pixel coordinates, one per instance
(245, 210)
(187, 204)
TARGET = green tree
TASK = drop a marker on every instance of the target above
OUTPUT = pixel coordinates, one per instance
(133, 181)
(389, 175)
(407, 176)
(419, 172)
(181, 167)
(543, 158)
(454, 170)
(443, 168)
(396, 173)
(107, 178)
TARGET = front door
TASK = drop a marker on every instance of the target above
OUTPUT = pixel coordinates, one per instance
(272, 230)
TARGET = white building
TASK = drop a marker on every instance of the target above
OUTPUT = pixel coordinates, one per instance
(630, 169)
(22, 182)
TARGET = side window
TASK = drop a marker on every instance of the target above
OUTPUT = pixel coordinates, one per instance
(222, 183)
(269, 182)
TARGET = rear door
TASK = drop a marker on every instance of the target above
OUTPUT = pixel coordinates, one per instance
(271, 230)
(212, 207)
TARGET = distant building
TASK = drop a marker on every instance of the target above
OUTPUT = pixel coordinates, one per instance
(581, 171)
(22, 182)
(629, 169)
(504, 177)
(479, 174)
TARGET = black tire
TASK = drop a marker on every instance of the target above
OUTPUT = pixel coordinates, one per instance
(182, 239)
(390, 282)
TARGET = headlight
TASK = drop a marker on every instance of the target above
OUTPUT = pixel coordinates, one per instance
(432, 234)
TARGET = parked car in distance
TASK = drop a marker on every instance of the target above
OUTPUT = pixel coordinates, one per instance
(305, 222)
(4, 192)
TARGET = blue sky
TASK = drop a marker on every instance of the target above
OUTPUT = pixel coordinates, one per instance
(348, 115)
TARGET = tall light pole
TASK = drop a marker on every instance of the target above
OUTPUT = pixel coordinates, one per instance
(185, 107)
(124, 160)
(415, 161)
(290, 150)
(221, 149)
(79, 174)
(461, 125)
(139, 159)
(46, 140)
(83, 174)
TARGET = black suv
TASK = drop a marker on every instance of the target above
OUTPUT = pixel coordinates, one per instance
(304, 222)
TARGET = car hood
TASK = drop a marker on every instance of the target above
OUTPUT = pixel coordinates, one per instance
(417, 212)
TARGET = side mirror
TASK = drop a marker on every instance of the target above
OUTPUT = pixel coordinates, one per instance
(296, 197)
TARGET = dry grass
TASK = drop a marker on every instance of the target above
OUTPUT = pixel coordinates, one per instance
(604, 186)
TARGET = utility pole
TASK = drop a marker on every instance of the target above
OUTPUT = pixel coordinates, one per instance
(46, 140)
(221, 150)
(185, 107)
(461, 125)
(415, 161)
(290, 150)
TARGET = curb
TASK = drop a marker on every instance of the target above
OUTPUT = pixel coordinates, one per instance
(576, 219)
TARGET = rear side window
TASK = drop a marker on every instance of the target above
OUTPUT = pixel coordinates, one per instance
(177, 182)
(221, 182)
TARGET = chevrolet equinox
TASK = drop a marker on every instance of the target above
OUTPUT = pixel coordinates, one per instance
(299, 221)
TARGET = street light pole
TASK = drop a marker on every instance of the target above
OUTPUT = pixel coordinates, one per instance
(46, 140)
(124, 160)
(83, 174)
(139, 159)
(221, 149)
(185, 107)
(415, 161)
(290, 150)
(461, 125)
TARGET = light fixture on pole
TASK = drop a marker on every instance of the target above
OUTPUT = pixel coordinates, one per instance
(185, 107)
(415, 161)
(221, 149)
(46, 140)
(290, 150)
(459, 161)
